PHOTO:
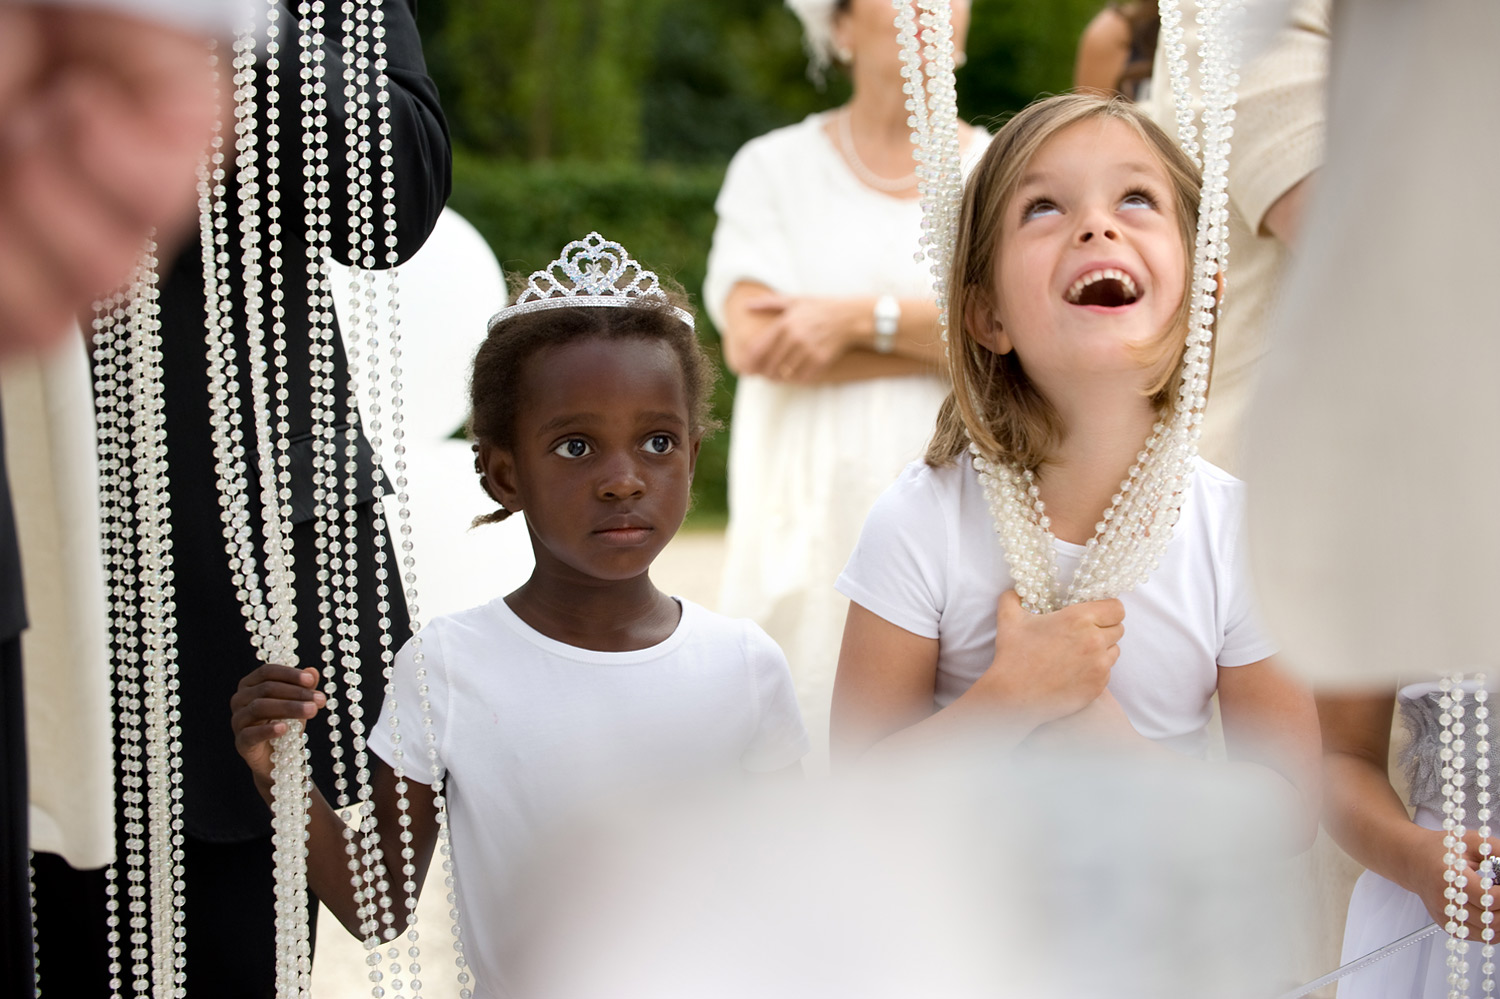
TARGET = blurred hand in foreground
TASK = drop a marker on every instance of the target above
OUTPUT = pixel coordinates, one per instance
(103, 118)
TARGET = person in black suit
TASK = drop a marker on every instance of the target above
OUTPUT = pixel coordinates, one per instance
(229, 921)
(82, 183)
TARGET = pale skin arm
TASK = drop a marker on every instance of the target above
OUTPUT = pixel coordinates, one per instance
(1045, 667)
(1284, 218)
(1103, 51)
(1270, 721)
(1366, 817)
(266, 697)
(813, 340)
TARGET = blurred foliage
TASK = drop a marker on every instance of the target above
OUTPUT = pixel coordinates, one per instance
(573, 115)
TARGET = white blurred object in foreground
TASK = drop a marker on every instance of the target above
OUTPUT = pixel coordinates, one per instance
(1078, 878)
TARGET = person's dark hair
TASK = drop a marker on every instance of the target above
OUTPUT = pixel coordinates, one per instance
(495, 384)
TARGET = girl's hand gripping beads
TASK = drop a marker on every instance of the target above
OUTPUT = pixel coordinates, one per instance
(1047, 666)
(267, 697)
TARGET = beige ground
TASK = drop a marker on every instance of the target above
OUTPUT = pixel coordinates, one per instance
(691, 567)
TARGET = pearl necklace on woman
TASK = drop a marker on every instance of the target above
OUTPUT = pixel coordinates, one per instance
(868, 177)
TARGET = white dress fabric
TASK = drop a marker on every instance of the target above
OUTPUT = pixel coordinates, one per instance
(929, 561)
(49, 445)
(1381, 911)
(1375, 452)
(806, 462)
(532, 733)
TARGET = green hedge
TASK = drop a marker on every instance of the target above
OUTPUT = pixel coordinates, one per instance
(663, 214)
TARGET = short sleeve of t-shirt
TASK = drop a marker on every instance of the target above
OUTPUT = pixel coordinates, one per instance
(1245, 638)
(405, 706)
(898, 568)
(780, 737)
(749, 242)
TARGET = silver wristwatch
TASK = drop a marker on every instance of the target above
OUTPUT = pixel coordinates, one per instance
(887, 318)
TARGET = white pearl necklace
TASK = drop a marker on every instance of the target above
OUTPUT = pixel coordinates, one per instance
(1134, 531)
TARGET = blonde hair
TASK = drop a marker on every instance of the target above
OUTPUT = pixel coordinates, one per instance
(993, 402)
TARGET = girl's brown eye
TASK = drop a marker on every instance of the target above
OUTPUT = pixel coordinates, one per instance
(661, 444)
(572, 448)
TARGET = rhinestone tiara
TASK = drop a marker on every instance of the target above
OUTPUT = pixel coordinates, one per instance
(590, 272)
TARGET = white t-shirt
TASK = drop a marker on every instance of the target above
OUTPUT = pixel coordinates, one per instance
(929, 561)
(530, 731)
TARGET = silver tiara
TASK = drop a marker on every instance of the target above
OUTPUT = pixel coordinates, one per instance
(591, 272)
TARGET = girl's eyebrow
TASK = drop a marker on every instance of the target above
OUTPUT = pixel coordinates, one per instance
(566, 421)
(1130, 167)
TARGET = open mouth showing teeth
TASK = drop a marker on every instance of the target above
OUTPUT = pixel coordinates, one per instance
(1109, 288)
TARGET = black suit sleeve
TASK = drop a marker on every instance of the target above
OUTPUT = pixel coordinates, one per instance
(420, 151)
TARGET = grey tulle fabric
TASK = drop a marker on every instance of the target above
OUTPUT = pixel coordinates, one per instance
(1424, 773)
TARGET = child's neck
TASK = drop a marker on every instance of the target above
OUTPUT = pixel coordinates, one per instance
(603, 616)
(1082, 477)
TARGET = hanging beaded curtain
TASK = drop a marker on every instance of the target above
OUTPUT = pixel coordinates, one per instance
(133, 453)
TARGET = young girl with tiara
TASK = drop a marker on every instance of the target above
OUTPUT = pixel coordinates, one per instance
(1069, 297)
(589, 401)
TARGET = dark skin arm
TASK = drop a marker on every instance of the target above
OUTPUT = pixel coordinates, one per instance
(267, 698)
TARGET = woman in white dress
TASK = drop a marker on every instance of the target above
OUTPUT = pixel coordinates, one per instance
(829, 322)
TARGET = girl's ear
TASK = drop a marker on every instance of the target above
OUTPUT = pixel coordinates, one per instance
(497, 473)
(693, 447)
(982, 323)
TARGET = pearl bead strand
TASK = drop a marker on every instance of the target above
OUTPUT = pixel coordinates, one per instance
(1135, 529)
(1451, 756)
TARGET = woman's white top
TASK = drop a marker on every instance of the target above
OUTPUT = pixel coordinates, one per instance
(806, 462)
(929, 562)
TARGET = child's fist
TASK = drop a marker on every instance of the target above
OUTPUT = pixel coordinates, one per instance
(267, 697)
(1050, 665)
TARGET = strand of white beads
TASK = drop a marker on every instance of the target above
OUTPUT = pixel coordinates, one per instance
(1487, 861)
(36, 964)
(925, 37)
(158, 624)
(1135, 529)
(381, 334)
(1452, 757)
(1177, 73)
(379, 916)
(335, 611)
(116, 542)
(291, 769)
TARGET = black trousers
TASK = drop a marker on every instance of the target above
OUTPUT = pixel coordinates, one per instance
(16, 956)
